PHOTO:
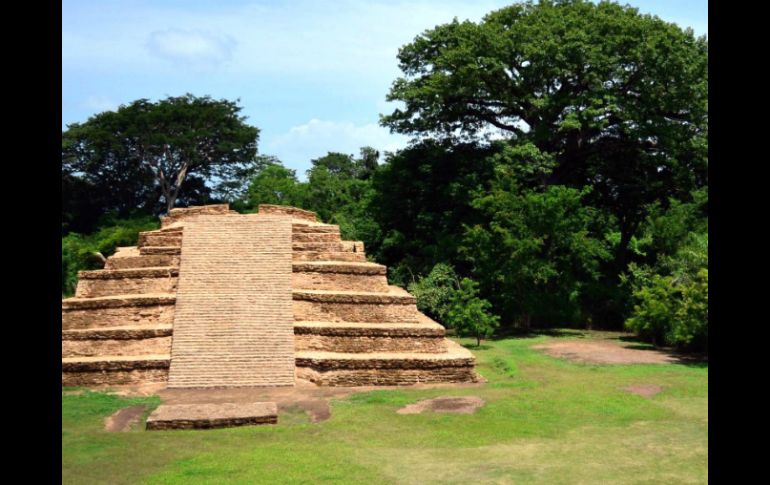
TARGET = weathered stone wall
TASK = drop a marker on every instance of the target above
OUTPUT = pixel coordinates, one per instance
(156, 345)
(388, 377)
(183, 213)
(124, 286)
(335, 343)
(138, 261)
(160, 239)
(316, 237)
(151, 312)
(294, 212)
(353, 246)
(115, 377)
(339, 281)
(328, 256)
(353, 312)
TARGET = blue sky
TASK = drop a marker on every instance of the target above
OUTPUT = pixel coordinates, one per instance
(312, 75)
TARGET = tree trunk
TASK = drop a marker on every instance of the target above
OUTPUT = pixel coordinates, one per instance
(171, 196)
(526, 321)
(622, 255)
(626, 233)
(478, 340)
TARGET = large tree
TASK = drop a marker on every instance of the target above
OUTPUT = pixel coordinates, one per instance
(147, 150)
(617, 99)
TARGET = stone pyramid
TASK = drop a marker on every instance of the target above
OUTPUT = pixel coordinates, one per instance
(219, 299)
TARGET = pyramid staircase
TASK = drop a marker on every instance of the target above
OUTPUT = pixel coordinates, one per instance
(350, 327)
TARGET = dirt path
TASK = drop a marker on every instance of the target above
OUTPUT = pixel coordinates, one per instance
(605, 352)
(123, 419)
(445, 404)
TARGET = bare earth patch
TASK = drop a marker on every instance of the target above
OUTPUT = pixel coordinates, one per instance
(123, 419)
(445, 404)
(312, 399)
(644, 390)
(604, 352)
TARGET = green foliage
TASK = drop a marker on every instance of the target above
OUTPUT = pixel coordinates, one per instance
(434, 292)
(172, 149)
(422, 198)
(667, 228)
(339, 190)
(613, 99)
(275, 184)
(78, 251)
(672, 297)
(535, 253)
(692, 316)
(469, 314)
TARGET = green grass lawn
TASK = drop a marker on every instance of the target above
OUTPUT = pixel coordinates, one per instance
(545, 421)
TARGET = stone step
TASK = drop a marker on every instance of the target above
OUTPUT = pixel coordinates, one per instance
(355, 306)
(395, 296)
(128, 332)
(293, 212)
(171, 230)
(329, 246)
(116, 274)
(350, 276)
(165, 230)
(316, 237)
(118, 341)
(125, 251)
(386, 368)
(117, 347)
(353, 246)
(165, 250)
(157, 238)
(109, 282)
(355, 337)
(212, 415)
(147, 261)
(110, 369)
(327, 256)
(233, 323)
(118, 311)
(314, 228)
(179, 214)
(365, 268)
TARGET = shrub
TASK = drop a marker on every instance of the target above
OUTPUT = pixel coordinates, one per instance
(434, 292)
(469, 314)
(78, 251)
(672, 298)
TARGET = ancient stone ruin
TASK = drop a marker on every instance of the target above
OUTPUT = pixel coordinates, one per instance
(219, 299)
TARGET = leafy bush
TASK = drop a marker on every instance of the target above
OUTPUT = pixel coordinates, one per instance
(434, 292)
(672, 298)
(469, 314)
(78, 251)
(536, 254)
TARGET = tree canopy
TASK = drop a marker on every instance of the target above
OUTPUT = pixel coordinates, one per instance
(617, 99)
(170, 149)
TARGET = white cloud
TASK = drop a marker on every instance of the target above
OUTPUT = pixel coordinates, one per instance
(100, 103)
(191, 46)
(315, 138)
